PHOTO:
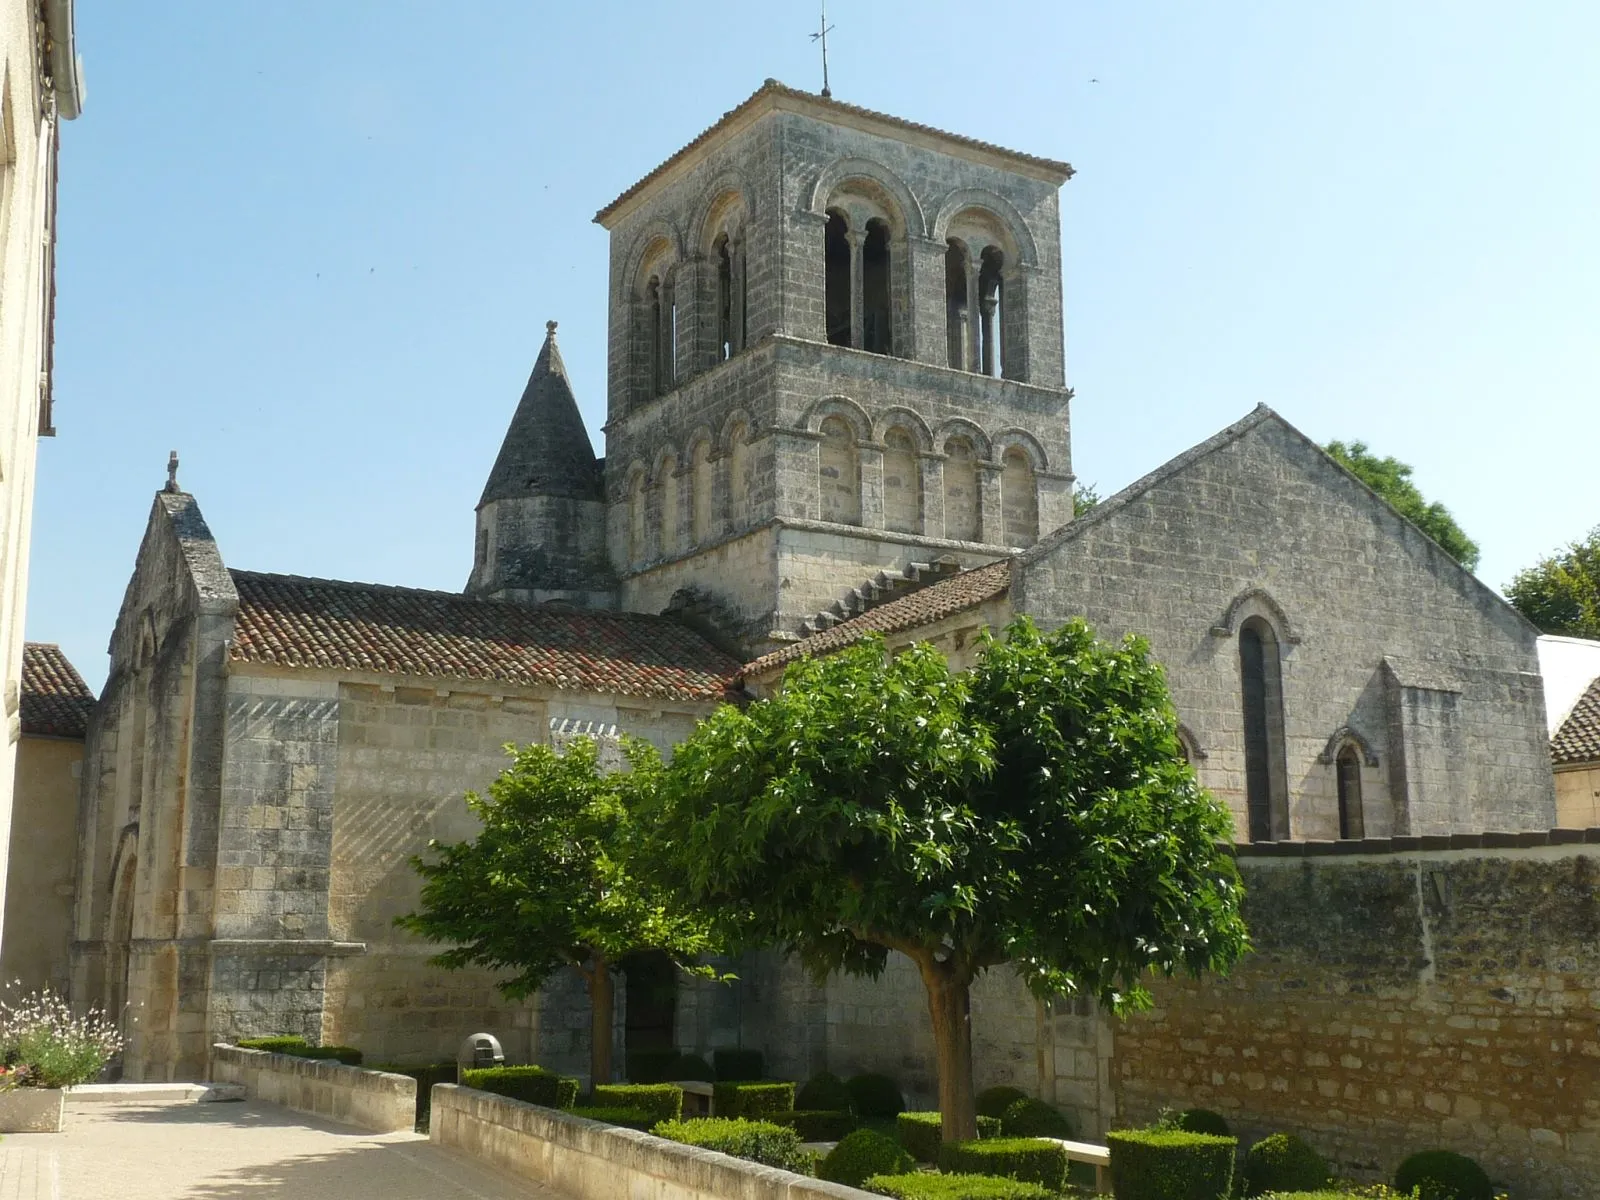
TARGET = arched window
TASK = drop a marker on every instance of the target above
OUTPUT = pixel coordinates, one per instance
(700, 486)
(637, 551)
(739, 476)
(955, 303)
(668, 378)
(1347, 769)
(652, 298)
(963, 517)
(989, 287)
(724, 256)
(838, 472)
(875, 304)
(1266, 774)
(902, 482)
(1019, 498)
(668, 484)
(836, 281)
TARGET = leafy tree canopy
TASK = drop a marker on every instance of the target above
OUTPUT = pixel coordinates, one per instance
(1391, 479)
(1036, 811)
(1561, 594)
(551, 881)
(1084, 497)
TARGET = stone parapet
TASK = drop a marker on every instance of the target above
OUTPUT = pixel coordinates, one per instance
(591, 1161)
(373, 1100)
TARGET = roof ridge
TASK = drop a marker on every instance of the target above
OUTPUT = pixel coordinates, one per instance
(1577, 739)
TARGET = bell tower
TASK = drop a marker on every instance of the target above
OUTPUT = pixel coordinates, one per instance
(835, 350)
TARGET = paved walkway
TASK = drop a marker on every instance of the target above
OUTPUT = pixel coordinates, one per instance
(237, 1151)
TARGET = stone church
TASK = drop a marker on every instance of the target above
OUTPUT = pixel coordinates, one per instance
(837, 404)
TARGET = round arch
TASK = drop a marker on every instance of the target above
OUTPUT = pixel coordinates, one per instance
(961, 427)
(907, 419)
(832, 178)
(996, 206)
(839, 406)
(1021, 439)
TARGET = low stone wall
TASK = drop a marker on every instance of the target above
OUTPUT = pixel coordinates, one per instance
(373, 1100)
(590, 1161)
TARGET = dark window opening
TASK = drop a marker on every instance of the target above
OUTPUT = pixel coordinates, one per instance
(724, 300)
(989, 301)
(650, 1004)
(955, 303)
(836, 281)
(875, 303)
(653, 303)
(1348, 768)
(1265, 771)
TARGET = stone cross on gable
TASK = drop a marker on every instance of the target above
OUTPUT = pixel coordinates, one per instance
(172, 471)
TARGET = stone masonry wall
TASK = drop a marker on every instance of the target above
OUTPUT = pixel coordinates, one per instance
(1397, 1002)
(1578, 798)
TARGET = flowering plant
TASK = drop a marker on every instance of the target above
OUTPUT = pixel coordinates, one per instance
(43, 1043)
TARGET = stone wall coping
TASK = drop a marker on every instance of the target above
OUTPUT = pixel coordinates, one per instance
(1488, 840)
(594, 1160)
(376, 1100)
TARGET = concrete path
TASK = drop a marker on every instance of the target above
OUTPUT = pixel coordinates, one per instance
(238, 1151)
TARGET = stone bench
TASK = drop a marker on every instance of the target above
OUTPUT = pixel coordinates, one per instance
(1099, 1157)
(697, 1097)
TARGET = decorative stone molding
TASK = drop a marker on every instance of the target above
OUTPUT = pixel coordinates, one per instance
(1230, 619)
(1345, 734)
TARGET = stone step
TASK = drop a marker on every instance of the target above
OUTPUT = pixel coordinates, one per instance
(155, 1093)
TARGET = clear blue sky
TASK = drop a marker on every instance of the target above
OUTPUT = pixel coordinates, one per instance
(313, 246)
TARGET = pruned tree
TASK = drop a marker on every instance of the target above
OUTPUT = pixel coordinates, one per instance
(1561, 594)
(551, 882)
(1036, 812)
(1391, 479)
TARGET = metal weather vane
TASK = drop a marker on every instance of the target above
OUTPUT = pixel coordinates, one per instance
(822, 36)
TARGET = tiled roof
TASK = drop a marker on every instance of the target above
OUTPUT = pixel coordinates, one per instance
(1578, 739)
(944, 599)
(55, 701)
(773, 88)
(295, 622)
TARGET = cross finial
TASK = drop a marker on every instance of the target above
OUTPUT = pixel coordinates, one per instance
(822, 36)
(172, 471)
(550, 329)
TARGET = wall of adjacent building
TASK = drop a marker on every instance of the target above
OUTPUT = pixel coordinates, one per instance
(39, 884)
(1578, 797)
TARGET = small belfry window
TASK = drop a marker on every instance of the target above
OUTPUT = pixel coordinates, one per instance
(725, 346)
(990, 361)
(955, 303)
(875, 302)
(652, 297)
(1347, 768)
(836, 280)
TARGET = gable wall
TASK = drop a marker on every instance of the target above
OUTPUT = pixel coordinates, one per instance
(1357, 585)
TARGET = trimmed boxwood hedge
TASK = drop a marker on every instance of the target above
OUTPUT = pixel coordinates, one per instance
(737, 1066)
(426, 1076)
(1283, 1162)
(864, 1153)
(817, 1125)
(751, 1100)
(535, 1085)
(1449, 1175)
(874, 1096)
(283, 1043)
(921, 1133)
(993, 1102)
(1169, 1164)
(665, 1100)
(925, 1185)
(824, 1091)
(1035, 1118)
(298, 1047)
(652, 1066)
(628, 1118)
(758, 1141)
(1032, 1160)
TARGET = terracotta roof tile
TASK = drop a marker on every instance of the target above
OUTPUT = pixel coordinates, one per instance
(1578, 739)
(943, 599)
(295, 622)
(55, 701)
(773, 88)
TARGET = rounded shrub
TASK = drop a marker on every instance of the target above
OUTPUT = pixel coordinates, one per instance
(1443, 1175)
(1035, 1118)
(875, 1096)
(993, 1102)
(864, 1153)
(816, 1125)
(823, 1092)
(1202, 1120)
(1283, 1163)
(1168, 1164)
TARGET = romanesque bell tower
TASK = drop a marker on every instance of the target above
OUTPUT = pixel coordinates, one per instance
(835, 350)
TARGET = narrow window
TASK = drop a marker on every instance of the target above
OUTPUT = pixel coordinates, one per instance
(1019, 498)
(724, 299)
(875, 303)
(838, 473)
(902, 482)
(669, 336)
(991, 363)
(652, 293)
(955, 303)
(1348, 767)
(962, 514)
(1265, 771)
(836, 281)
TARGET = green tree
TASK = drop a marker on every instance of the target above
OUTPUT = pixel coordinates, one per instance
(553, 881)
(1036, 811)
(1391, 479)
(1561, 594)
(1084, 497)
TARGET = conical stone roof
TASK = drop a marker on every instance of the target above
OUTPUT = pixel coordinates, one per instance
(546, 451)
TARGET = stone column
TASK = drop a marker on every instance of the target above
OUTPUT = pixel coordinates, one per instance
(858, 291)
(970, 360)
(737, 278)
(987, 306)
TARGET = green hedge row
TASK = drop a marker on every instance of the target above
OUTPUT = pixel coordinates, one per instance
(817, 1125)
(758, 1141)
(924, 1185)
(1032, 1160)
(920, 1133)
(298, 1047)
(751, 1100)
(665, 1100)
(1169, 1164)
(535, 1085)
(628, 1118)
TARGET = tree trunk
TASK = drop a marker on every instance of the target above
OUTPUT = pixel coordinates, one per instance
(950, 1007)
(602, 1003)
